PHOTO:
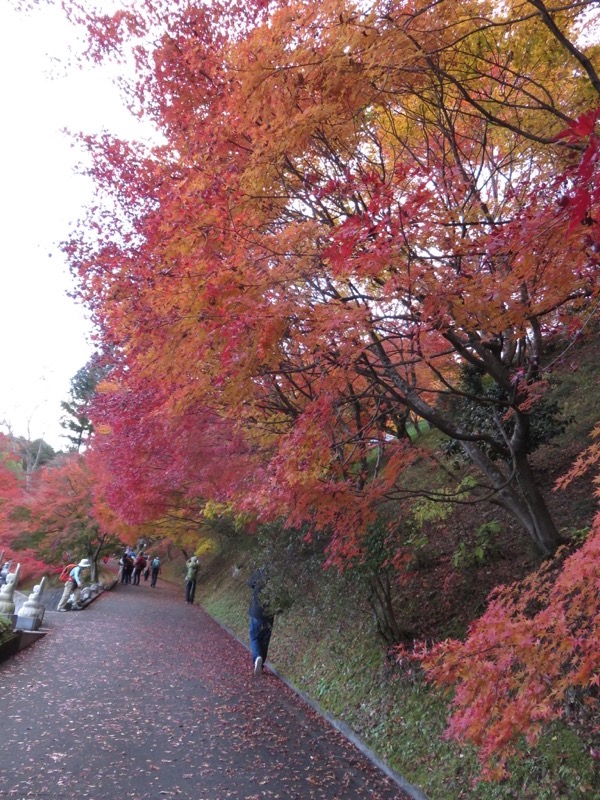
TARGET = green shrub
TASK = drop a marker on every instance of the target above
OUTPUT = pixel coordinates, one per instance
(6, 629)
(479, 552)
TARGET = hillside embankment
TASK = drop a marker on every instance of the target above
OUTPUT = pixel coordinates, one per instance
(327, 645)
(328, 642)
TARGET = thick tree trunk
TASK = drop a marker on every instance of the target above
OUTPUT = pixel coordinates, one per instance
(525, 503)
(93, 555)
(516, 492)
(543, 531)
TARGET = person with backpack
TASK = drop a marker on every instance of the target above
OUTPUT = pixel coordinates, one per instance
(191, 577)
(126, 568)
(138, 567)
(154, 570)
(73, 585)
(261, 617)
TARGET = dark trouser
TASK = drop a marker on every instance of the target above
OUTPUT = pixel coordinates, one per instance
(190, 590)
(154, 577)
(136, 576)
(260, 636)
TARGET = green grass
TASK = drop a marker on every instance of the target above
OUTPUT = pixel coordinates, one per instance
(576, 389)
(329, 650)
(326, 644)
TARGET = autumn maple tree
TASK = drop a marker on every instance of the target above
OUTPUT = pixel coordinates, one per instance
(10, 471)
(57, 513)
(358, 217)
(157, 470)
(12, 493)
(533, 652)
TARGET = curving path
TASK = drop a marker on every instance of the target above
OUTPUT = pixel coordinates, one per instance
(141, 696)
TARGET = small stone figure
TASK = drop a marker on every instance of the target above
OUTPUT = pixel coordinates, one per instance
(4, 572)
(7, 604)
(32, 607)
(86, 596)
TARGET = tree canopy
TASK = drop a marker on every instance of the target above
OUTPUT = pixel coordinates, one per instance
(359, 217)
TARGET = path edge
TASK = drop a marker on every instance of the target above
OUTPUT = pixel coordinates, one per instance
(412, 791)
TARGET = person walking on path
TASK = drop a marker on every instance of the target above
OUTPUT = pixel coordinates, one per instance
(212, 731)
(138, 567)
(261, 619)
(154, 570)
(191, 576)
(127, 569)
(73, 586)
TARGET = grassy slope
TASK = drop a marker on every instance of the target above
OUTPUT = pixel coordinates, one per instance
(331, 652)
(327, 645)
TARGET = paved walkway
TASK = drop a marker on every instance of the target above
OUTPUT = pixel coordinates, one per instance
(141, 696)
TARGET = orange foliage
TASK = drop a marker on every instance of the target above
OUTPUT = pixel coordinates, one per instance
(315, 259)
(354, 208)
(66, 510)
(585, 461)
(12, 497)
(537, 641)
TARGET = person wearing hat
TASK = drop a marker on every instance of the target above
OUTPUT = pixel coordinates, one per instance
(190, 578)
(73, 585)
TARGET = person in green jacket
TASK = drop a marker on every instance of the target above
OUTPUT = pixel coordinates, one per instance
(191, 577)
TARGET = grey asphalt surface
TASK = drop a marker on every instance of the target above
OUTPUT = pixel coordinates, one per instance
(142, 696)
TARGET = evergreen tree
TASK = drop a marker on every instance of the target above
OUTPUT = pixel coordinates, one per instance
(83, 388)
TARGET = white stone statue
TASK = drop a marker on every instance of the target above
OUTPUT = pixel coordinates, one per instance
(4, 572)
(32, 607)
(7, 604)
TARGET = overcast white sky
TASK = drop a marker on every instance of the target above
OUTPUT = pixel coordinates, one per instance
(44, 334)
